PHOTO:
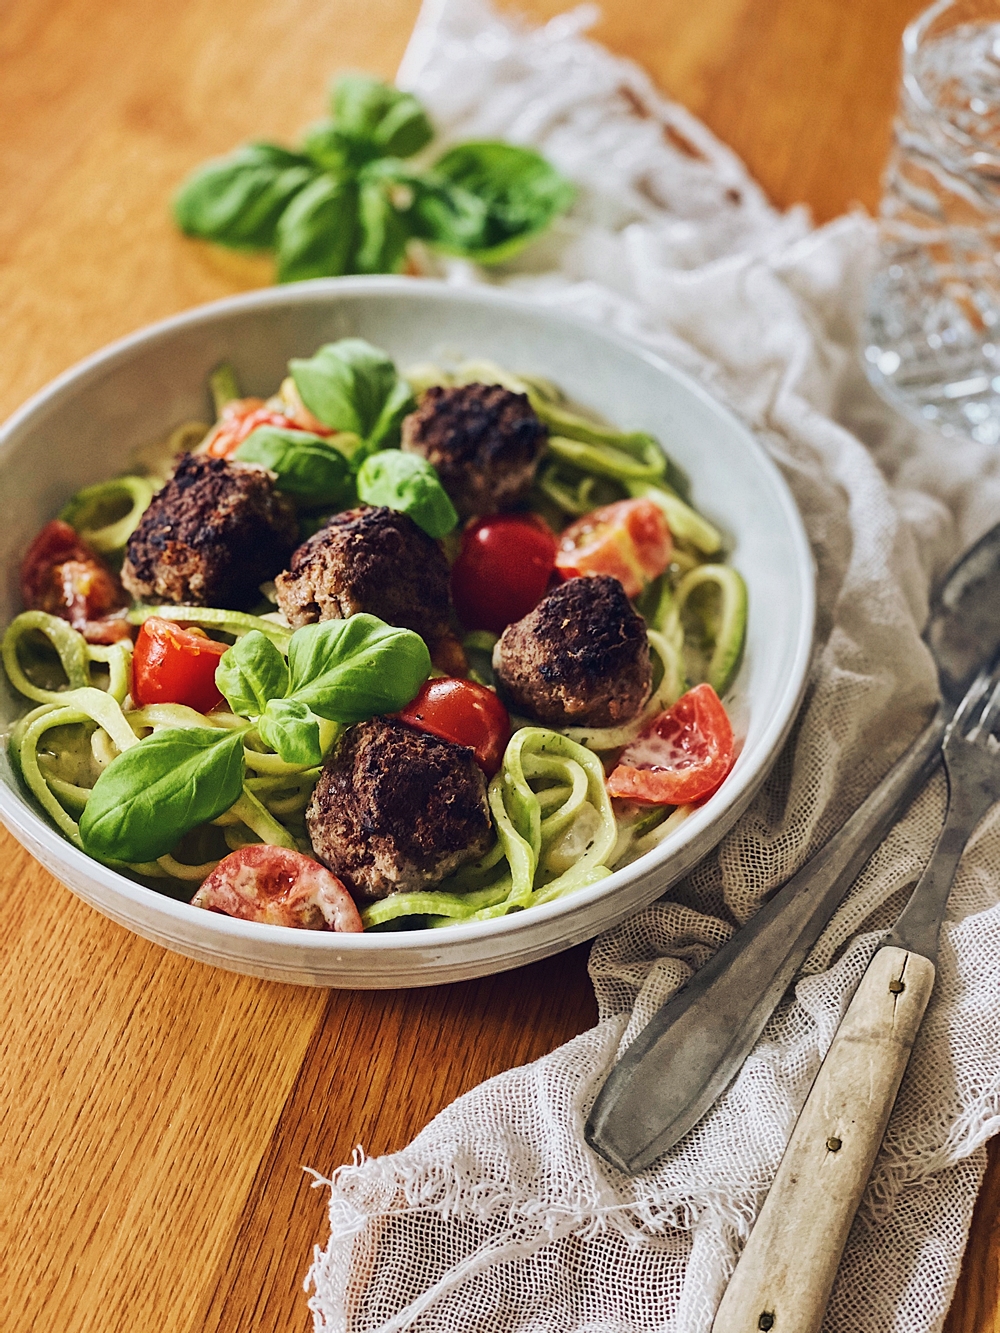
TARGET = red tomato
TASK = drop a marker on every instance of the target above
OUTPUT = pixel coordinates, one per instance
(240, 418)
(502, 570)
(60, 574)
(173, 666)
(463, 712)
(280, 888)
(682, 756)
(628, 540)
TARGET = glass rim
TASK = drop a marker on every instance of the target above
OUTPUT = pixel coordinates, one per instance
(913, 35)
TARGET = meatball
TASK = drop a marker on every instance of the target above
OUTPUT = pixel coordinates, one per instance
(396, 809)
(581, 658)
(484, 441)
(213, 534)
(369, 559)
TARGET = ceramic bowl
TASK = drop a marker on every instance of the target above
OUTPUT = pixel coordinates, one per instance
(83, 427)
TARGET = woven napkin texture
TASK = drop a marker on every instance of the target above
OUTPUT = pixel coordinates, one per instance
(498, 1217)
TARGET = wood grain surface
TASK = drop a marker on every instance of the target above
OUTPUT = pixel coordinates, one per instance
(156, 1114)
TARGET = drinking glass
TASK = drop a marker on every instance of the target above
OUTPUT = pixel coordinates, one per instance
(932, 330)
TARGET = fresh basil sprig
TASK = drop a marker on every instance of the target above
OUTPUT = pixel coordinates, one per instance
(354, 387)
(167, 784)
(156, 791)
(341, 670)
(349, 201)
(410, 484)
(310, 469)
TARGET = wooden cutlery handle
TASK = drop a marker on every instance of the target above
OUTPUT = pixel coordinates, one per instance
(783, 1279)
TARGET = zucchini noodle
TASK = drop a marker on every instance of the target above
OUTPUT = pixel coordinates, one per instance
(88, 512)
(223, 386)
(71, 647)
(236, 623)
(609, 460)
(178, 869)
(250, 811)
(572, 497)
(685, 523)
(27, 762)
(727, 639)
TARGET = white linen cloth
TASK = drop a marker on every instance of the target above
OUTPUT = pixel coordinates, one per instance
(498, 1217)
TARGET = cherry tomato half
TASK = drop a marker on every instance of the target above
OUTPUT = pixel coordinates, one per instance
(682, 756)
(502, 570)
(463, 712)
(60, 574)
(241, 418)
(279, 887)
(629, 540)
(171, 665)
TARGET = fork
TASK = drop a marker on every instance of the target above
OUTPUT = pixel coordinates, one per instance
(785, 1274)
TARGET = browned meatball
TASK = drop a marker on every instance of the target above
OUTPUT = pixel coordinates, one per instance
(369, 559)
(396, 809)
(211, 536)
(581, 658)
(484, 441)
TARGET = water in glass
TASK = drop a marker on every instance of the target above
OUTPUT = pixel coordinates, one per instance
(932, 341)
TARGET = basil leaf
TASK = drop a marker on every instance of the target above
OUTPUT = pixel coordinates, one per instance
(410, 484)
(160, 789)
(289, 728)
(317, 233)
(521, 193)
(237, 200)
(351, 386)
(380, 120)
(384, 229)
(385, 433)
(307, 466)
(251, 673)
(351, 670)
(327, 147)
(447, 215)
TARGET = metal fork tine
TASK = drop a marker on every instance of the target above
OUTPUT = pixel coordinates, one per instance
(969, 705)
(989, 715)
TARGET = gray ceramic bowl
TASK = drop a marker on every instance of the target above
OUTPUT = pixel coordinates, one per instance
(83, 427)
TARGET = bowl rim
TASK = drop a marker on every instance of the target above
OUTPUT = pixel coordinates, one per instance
(19, 816)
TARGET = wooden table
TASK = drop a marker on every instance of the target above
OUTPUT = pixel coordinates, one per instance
(155, 1114)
